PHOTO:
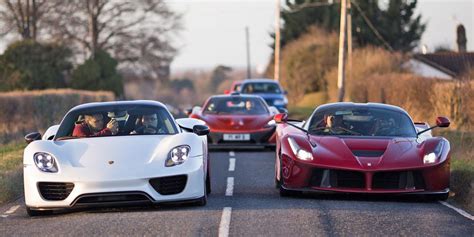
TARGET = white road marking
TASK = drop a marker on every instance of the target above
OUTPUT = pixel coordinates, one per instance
(225, 222)
(230, 186)
(10, 211)
(460, 211)
(231, 153)
(231, 164)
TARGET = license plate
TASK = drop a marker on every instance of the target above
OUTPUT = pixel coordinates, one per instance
(236, 137)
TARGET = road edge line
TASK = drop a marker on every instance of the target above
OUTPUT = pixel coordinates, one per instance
(458, 210)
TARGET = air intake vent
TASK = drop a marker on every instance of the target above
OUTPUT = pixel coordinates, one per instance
(368, 153)
(169, 185)
(55, 191)
(118, 197)
(398, 180)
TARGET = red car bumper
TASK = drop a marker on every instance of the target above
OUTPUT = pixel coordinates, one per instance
(301, 176)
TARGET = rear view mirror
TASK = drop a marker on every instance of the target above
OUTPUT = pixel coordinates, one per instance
(34, 136)
(281, 118)
(442, 122)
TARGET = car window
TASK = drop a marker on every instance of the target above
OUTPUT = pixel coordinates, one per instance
(116, 121)
(261, 87)
(236, 105)
(356, 121)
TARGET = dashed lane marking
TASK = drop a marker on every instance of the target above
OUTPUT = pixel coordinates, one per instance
(231, 153)
(231, 164)
(229, 191)
(224, 226)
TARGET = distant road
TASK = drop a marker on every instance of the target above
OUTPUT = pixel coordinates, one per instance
(244, 202)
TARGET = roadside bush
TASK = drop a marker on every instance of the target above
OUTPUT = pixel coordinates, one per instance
(305, 62)
(98, 73)
(28, 65)
(26, 111)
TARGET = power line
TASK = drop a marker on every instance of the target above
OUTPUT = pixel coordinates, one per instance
(371, 26)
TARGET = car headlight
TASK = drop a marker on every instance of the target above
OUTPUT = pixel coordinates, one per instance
(278, 102)
(177, 155)
(432, 157)
(298, 151)
(45, 162)
(270, 123)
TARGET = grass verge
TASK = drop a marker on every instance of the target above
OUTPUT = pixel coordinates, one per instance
(11, 176)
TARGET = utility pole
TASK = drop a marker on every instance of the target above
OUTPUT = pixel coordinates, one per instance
(342, 52)
(249, 72)
(276, 70)
(349, 38)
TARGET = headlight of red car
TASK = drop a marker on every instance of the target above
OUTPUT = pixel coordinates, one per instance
(299, 152)
(432, 157)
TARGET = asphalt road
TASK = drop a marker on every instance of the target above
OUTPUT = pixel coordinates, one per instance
(252, 207)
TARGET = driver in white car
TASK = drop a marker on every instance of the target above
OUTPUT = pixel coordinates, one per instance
(149, 125)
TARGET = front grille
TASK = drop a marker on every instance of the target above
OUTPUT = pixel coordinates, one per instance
(104, 198)
(169, 185)
(53, 191)
(368, 153)
(327, 178)
(398, 180)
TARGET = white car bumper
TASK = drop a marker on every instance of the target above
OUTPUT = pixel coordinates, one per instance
(137, 181)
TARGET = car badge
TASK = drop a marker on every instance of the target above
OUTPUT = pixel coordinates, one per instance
(111, 162)
(369, 164)
(241, 123)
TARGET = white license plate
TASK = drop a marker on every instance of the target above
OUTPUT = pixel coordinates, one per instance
(236, 137)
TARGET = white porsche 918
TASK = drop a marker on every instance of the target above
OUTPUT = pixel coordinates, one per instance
(114, 153)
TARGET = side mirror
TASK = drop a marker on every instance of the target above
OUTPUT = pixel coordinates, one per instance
(201, 130)
(442, 122)
(34, 136)
(226, 92)
(281, 118)
(188, 111)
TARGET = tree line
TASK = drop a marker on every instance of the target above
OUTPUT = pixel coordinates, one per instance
(81, 43)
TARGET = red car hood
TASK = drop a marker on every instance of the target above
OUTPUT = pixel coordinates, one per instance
(367, 153)
(236, 122)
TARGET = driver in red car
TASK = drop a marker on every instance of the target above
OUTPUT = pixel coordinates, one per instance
(93, 126)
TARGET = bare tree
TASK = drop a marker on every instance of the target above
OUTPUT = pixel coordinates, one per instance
(137, 33)
(23, 17)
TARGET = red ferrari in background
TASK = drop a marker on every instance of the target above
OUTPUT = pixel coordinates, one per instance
(240, 121)
(361, 148)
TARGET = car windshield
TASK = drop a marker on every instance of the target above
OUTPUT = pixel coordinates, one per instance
(116, 121)
(261, 87)
(356, 121)
(236, 105)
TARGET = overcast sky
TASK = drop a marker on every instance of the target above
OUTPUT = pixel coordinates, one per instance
(214, 30)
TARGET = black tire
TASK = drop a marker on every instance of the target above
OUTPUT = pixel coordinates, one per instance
(438, 197)
(32, 212)
(208, 183)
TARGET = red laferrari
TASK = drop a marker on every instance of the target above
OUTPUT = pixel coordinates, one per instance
(361, 148)
(238, 121)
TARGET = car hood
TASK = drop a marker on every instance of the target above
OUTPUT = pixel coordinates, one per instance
(367, 153)
(116, 156)
(237, 122)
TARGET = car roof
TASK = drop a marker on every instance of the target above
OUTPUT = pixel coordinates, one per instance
(259, 80)
(236, 95)
(118, 103)
(362, 105)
